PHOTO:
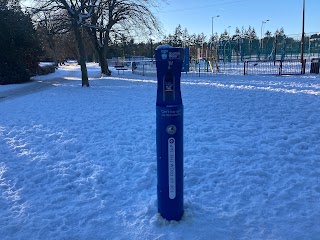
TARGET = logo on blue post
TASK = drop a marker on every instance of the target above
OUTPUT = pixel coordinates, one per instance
(164, 54)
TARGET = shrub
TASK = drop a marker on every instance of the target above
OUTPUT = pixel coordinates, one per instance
(12, 72)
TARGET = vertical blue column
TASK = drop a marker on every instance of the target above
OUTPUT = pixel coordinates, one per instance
(169, 132)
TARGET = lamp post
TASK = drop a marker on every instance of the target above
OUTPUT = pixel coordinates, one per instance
(212, 26)
(262, 23)
(302, 36)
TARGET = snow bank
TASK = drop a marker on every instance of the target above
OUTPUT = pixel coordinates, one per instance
(80, 163)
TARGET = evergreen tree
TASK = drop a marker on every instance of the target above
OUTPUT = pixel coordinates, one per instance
(224, 36)
(237, 34)
(185, 38)
(177, 37)
(253, 34)
(19, 47)
(268, 34)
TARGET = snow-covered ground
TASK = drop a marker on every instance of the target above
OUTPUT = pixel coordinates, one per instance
(80, 163)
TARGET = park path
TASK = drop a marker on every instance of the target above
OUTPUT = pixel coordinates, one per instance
(29, 88)
(69, 71)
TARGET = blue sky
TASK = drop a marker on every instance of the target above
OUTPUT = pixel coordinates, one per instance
(196, 16)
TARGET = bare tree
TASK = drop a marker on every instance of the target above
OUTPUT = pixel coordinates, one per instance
(111, 18)
(52, 25)
(11, 4)
(78, 12)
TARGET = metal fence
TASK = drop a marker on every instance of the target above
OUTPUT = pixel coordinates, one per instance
(279, 55)
(279, 47)
(205, 68)
(144, 68)
(277, 67)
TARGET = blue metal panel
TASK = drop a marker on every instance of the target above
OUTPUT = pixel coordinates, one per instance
(186, 61)
(169, 132)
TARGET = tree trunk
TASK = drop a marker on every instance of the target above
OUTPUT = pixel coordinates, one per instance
(100, 51)
(82, 56)
(103, 62)
(103, 50)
